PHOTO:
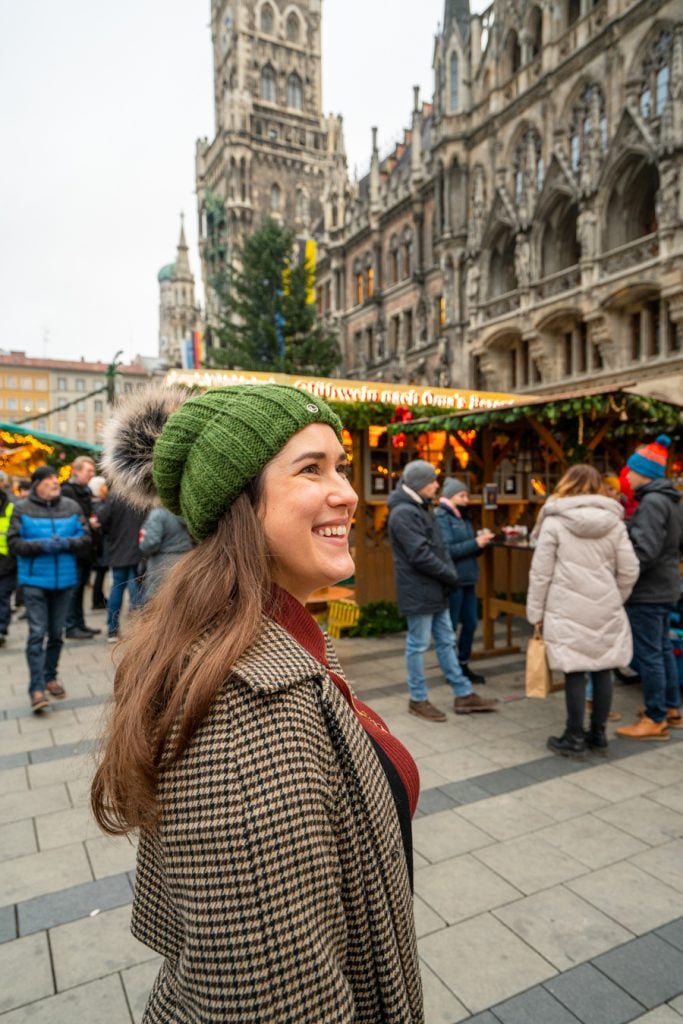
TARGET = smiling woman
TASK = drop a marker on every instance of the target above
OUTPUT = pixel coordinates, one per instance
(272, 804)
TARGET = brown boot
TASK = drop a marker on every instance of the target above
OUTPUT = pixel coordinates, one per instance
(424, 709)
(473, 702)
(645, 729)
(674, 718)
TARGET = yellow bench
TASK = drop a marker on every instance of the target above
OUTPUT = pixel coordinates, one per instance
(341, 615)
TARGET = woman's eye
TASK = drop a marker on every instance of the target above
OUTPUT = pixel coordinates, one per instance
(345, 469)
(313, 468)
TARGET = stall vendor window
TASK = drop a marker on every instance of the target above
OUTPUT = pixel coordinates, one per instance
(388, 454)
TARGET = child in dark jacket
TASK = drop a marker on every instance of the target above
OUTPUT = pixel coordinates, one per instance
(464, 548)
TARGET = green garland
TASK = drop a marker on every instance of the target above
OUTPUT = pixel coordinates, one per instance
(361, 415)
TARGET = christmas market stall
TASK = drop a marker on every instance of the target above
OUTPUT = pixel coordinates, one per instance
(377, 417)
(516, 456)
(23, 450)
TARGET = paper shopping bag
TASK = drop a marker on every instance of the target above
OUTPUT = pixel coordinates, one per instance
(538, 679)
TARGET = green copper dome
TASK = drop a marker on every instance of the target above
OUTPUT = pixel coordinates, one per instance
(166, 273)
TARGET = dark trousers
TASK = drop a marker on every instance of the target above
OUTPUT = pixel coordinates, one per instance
(98, 598)
(7, 585)
(124, 577)
(46, 611)
(653, 658)
(74, 618)
(463, 608)
(575, 698)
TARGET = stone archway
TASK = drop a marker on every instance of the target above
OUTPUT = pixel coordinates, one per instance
(631, 211)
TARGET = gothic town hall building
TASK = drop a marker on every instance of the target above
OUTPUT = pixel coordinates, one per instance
(526, 234)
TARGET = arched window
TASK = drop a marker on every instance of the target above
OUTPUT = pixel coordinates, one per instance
(268, 84)
(573, 11)
(267, 19)
(295, 98)
(588, 117)
(293, 28)
(513, 53)
(275, 197)
(454, 83)
(656, 76)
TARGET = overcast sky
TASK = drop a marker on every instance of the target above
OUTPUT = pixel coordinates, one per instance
(101, 106)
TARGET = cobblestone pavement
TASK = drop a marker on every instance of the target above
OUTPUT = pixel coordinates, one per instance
(546, 891)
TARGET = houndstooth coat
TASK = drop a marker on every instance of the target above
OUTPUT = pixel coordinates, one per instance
(276, 886)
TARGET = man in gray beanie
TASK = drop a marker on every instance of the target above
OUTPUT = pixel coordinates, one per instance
(425, 576)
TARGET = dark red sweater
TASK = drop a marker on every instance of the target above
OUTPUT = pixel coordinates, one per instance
(293, 617)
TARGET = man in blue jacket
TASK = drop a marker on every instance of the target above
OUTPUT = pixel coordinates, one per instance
(424, 576)
(464, 548)
(47, 533)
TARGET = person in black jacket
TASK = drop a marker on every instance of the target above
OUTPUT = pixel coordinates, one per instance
(121, 527)
(76, 488)
(424, 576)
(464, 548)
(656, 532)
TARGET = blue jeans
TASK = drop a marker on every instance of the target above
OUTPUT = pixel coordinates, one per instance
(421, 628)
(7, 585)
(46, 612)
(463, 609)
(653, 658)
(123, 576)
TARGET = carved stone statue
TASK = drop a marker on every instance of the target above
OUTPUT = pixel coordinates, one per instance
(586, 225)
(472, 287)
(523, 261)
(667, 197)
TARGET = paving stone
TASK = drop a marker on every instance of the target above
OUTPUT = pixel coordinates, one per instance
(461, 763)
(560, 799)
(138, 982)
(562, 927)
(550, 768)
(643, 818)
(440, 1005)
(672, 933)
(95, 946)
(55, 753)
(14, 780)
(465, 792)
(677, 1005)
(21, 744)
(612, 783)
(654, 767)
(533, 1007)
(503, 817)
(664, 862)
(462, 887)
(648, 968)
(446, 835)
(20, 984)
(73, 903)
(662, 1015)
(46, 872)
(99, 1002)
(14, 806)
(483, 961)
(8, 924)
(13, 760)
(635, 899)
(484, 1018)
(670, 796)
(17, 839)
(592, 841)
(111, 855)
(514, 751)
(529, 863)
(64, 827)
(434, 800)
(426, 919)
(64, 769)
(507, 780)
(592, 997)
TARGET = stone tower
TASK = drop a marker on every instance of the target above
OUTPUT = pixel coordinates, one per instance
(178, 314)
(273, 150)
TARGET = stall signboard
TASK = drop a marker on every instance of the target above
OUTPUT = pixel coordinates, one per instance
(352, 390)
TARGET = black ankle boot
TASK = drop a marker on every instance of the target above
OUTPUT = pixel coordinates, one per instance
(474, 677)
(596, 741)
(567, 745)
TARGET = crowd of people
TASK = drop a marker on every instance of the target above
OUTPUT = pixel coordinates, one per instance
(273, 807)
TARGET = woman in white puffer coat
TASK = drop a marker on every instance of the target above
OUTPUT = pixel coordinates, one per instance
(584, 567)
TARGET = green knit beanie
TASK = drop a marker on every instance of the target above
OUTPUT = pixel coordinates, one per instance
(217, 442)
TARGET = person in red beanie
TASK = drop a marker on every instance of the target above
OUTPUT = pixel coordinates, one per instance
(656, 532)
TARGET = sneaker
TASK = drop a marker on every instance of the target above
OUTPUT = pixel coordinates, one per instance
(92, 631)
(472, 702)
(567, 745)
(645, 729)
(39, 701)
(424, 709)
(474, 677)
(112, 638)
(79, 634)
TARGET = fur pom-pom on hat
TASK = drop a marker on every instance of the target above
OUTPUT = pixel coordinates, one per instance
(650, 459)
(129, 439)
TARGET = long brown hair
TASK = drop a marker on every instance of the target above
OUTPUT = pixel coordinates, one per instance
(579, 479)
(179, 653)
